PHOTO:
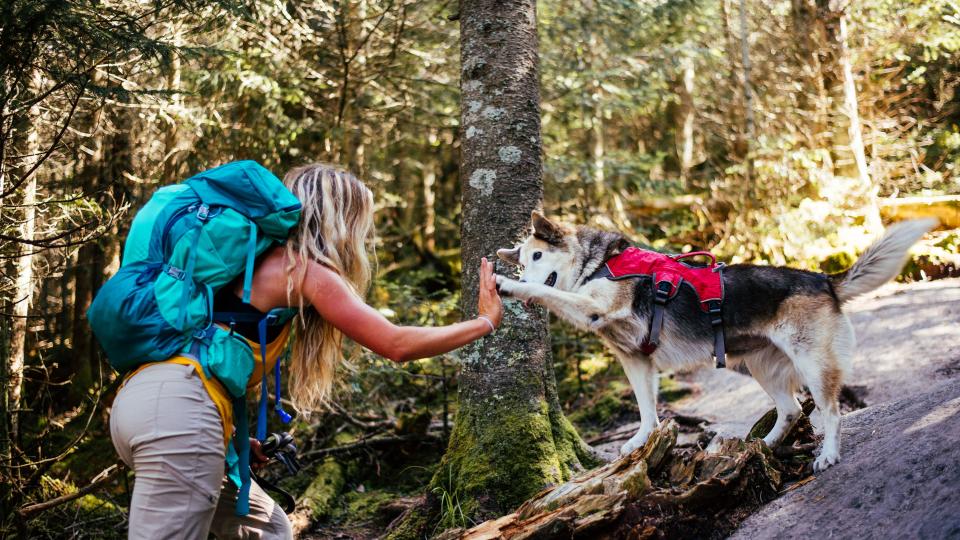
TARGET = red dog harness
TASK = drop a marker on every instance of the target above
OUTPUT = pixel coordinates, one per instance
(667, 273)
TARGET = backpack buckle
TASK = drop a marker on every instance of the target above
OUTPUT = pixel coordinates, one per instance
(173, 271)
(203, 212)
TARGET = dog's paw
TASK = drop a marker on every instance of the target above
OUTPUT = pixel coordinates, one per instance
(505, 285)
(637, 441)
(825, 460)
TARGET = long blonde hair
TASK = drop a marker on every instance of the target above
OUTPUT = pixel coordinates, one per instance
(334, 230)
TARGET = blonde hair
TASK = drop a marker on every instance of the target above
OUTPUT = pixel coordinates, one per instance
(334, 230)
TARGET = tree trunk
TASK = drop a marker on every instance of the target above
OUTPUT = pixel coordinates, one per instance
(850, 161)
(23, 268)
(510, 438)
(685, 118)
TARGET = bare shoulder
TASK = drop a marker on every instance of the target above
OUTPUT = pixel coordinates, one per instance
(320, 279)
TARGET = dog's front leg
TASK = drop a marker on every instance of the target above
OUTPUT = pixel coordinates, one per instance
(643, 378)
(577, 309)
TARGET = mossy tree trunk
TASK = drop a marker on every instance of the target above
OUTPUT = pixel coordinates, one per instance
(511, 438)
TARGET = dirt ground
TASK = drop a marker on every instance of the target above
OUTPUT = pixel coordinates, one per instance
(900, 463)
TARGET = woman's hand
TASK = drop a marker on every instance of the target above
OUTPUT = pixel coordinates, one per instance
(257, 458)
(489, 304)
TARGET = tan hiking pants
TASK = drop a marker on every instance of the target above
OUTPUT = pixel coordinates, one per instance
(165, 427)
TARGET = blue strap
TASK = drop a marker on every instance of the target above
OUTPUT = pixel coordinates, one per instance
(251, 258)
(262, 409)
(278, 407)
(241, 441)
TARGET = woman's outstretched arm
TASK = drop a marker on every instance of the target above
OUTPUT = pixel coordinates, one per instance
(336, 303)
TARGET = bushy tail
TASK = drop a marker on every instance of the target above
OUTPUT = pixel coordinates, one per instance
(882, 261)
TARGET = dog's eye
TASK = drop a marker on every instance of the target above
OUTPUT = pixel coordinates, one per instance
(537, 255)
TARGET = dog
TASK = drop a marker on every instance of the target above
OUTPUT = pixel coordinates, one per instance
(786, 326)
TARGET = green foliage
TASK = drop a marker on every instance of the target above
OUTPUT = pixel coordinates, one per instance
(451, 513)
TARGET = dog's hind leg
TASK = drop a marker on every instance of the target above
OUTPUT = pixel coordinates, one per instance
(817, 358)
(643, 378)
(776, 374)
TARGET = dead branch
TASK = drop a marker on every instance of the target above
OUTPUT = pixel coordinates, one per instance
(368, 443)
(105, 476)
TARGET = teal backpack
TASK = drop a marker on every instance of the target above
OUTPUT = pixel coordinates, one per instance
(187, 242)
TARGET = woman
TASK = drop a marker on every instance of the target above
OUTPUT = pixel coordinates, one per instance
(170, 423)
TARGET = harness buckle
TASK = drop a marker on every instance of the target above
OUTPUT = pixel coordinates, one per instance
(715, 311)
(661, 292)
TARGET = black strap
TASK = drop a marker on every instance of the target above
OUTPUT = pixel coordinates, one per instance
(716, 320)
(602, 272)
(661, 293)
(288, 503)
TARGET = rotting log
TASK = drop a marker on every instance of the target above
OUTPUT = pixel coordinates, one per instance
(660, 491)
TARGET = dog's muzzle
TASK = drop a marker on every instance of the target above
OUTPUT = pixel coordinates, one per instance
(551, 280)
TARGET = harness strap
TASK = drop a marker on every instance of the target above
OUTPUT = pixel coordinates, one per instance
(661, 293)
(716, 320)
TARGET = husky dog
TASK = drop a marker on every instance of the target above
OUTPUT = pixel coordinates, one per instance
(785, 325)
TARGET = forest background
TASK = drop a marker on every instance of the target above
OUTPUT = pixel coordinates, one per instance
(781, 132)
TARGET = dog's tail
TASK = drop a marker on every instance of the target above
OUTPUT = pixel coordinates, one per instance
(882, 261)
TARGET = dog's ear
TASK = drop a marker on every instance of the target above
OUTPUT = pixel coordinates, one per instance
(616, 246)
(546, 230)
(511, 256)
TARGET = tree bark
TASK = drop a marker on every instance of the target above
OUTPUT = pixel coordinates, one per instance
(23, 268)
(510, 438)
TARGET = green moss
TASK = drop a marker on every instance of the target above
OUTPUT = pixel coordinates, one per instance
(320, 496)
(492, 471)
(413, 527)
(360, 507)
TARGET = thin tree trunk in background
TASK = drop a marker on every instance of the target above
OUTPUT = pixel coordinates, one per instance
(748, 117)
(735, 111)
(23, 268)
(597, 149)
(429, 209)
(87, 272)
(812, 101)
(850, 161)
(510, 438)
(170, 138)
(685, 119)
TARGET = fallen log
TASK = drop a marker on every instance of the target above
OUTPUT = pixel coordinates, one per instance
(660, 491)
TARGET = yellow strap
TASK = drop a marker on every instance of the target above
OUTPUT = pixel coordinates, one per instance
(219, 395)
(221, 399)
